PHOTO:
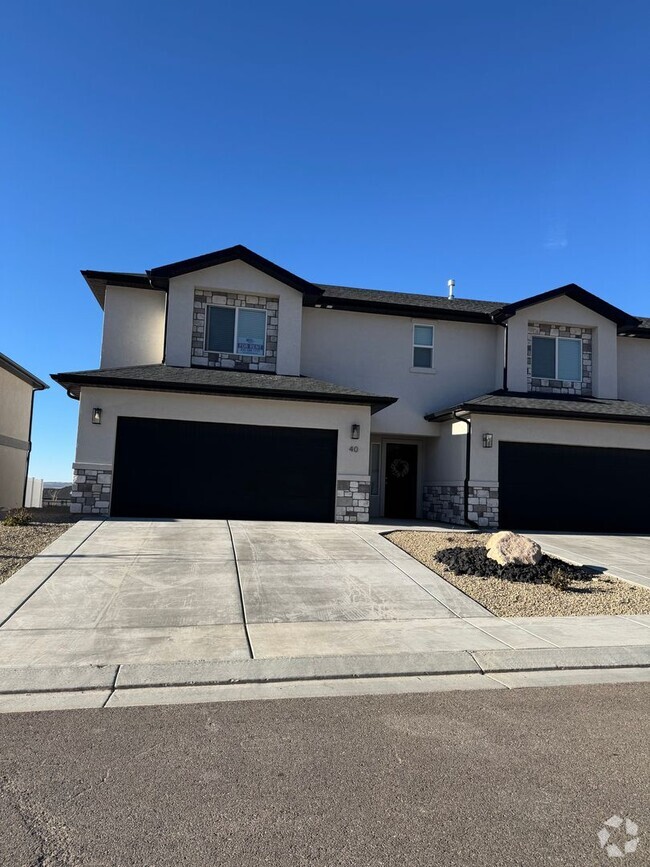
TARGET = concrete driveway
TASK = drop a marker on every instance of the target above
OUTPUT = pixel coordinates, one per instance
(166, 591)
(626, 557)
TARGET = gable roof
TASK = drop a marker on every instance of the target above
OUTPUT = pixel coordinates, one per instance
(365, 300)
(577, 294)
(230, 254)
(203, 380)
(11, 366)
(158, 278)
(550, 406)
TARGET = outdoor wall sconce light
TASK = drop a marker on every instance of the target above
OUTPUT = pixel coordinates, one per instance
(487, 440)
(356, 431)
(97, 415)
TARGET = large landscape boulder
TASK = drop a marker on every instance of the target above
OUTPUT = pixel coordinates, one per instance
(508, 548)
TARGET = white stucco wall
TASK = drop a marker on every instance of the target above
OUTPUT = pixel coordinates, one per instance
(15, 414)
(233, 277)
(96, 443)
(13, 472)
(485, 462)
(447, 454)
(15, 406)
(564, 311)
(634, 369)
(374, 353)
(134, 327)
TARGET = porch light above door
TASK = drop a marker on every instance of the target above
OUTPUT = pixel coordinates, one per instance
(356, 431)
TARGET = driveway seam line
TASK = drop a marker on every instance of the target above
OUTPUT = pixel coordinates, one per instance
(56, 569)
(410, 577)
(114, 687)
(241, 593)
(516, 626)
(428, 592)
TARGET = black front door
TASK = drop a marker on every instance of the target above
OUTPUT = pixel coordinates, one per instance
(401, 480)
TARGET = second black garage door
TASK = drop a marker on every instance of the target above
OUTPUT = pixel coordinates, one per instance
(551, 487)
(182, 469)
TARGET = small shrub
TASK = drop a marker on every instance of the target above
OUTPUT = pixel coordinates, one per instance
(549, 570)
(558, 578)
(17, 518)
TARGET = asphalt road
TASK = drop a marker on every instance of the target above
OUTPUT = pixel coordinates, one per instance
(524, 777)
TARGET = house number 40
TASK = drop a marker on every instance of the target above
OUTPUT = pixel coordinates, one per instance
(354, 448)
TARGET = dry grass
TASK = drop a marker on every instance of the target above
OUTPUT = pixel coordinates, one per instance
(19, 544)
(600, 595)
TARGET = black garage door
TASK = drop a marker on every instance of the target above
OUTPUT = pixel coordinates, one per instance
(549, 487)
(182, 469)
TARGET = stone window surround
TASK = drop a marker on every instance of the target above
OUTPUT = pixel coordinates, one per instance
(583, 387)
(202, 357)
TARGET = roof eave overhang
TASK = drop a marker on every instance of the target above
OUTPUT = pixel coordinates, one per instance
(358, 306)
(73, 385)
(446, 415)
(99, 280)
(19, 372)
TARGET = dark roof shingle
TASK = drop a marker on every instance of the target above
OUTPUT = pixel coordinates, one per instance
(163, 377)
(434, 303)
(551, 406)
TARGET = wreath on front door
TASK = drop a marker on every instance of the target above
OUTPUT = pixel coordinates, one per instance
(400, 468)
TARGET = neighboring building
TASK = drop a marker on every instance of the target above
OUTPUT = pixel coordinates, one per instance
(17, 387)
(57, 497)
(229, 387)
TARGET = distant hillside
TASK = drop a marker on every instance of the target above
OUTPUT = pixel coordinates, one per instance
(56, 484)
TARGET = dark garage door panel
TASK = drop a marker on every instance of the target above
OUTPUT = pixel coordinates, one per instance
(183, 469)
(579, 488)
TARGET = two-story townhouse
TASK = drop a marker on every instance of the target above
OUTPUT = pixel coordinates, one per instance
(17, 389)
(230, 387)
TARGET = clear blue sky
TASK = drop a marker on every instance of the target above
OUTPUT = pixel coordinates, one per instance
(379, 144)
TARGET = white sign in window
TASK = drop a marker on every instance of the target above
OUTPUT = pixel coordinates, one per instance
(236, 330)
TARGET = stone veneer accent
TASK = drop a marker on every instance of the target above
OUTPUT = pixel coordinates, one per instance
(203, 298)
(558, 386)
(91, 491)
(352, 501)
(483, 505)
(444, 503)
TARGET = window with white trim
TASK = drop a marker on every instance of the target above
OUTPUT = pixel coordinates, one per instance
(557, 358)
(423, 346)
(236, 330)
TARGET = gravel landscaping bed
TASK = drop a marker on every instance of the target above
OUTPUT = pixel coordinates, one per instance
(596, 595)
(19, 544)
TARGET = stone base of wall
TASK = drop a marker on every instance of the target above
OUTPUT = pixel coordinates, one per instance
(91, 491)
(484, 506)
(444, 503)
(352, 501)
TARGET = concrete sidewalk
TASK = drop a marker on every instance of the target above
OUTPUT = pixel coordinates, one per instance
(337, 607)
(33, 689)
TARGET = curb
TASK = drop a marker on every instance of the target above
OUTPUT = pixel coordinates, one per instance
(221, 673)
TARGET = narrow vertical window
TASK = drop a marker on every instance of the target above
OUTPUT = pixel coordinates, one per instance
(423, 346)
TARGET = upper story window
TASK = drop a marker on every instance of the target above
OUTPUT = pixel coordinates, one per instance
(423, 346)
(236, 330)
(558, 358)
